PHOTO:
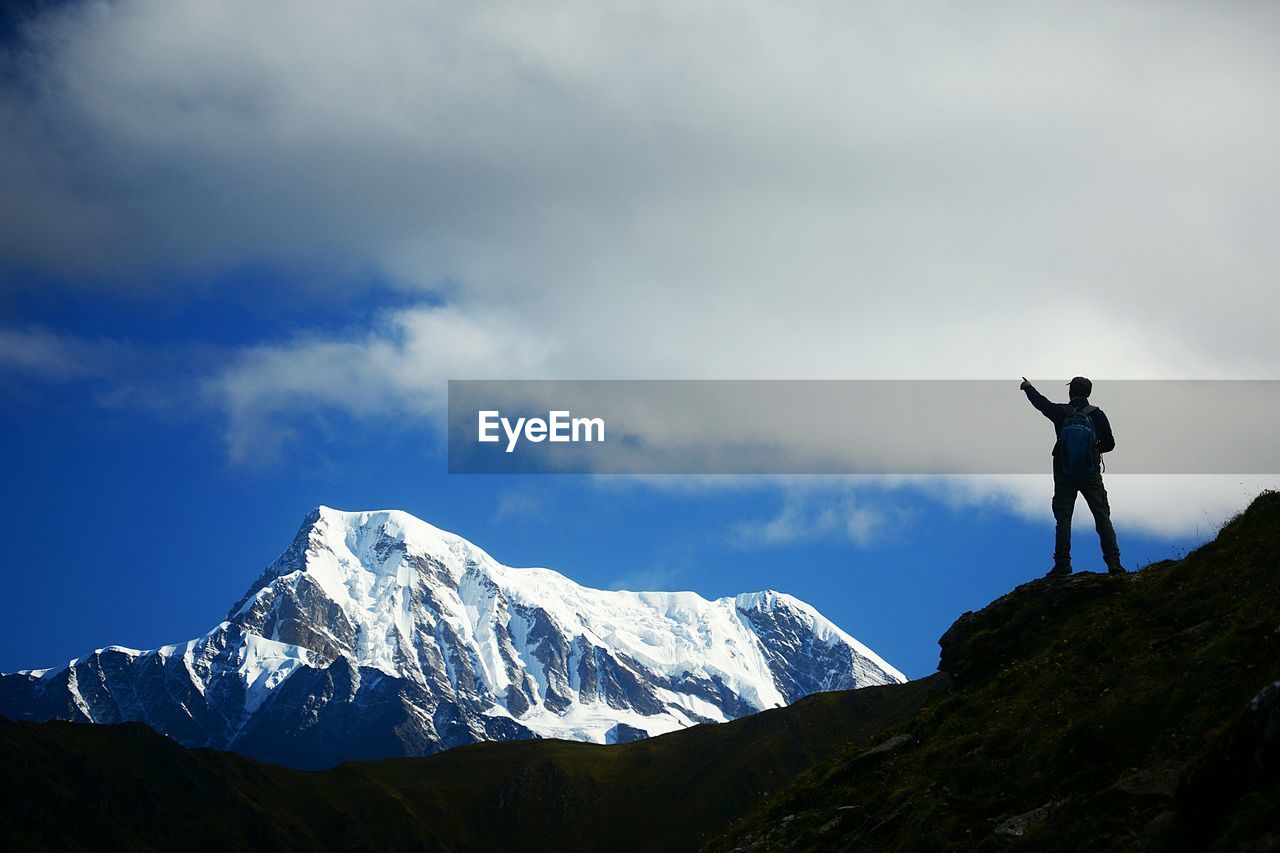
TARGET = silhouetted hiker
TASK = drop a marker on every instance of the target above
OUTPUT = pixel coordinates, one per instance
(1084, 434)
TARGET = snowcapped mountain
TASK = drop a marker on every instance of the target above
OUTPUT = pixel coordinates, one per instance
(376, 634)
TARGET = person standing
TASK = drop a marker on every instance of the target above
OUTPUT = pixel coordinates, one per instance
(1084, 434)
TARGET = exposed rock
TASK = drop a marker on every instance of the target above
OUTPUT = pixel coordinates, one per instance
(1017, 825)
(1159, 780)
(893, 744)
(981, 642)
(1245, 759)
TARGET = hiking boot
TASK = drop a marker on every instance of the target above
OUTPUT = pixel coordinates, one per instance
(1059, 570)
(1116, 569)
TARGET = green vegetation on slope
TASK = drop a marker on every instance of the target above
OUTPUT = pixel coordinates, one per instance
(95, 787)
(1089, 711)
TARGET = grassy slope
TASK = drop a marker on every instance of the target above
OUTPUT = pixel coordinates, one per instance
(126, 787)
(1091, 699)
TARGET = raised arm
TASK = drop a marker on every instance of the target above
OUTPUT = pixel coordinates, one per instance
(1039, 400)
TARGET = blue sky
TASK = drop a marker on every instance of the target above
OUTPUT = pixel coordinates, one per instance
(243, 246)
(128, 524)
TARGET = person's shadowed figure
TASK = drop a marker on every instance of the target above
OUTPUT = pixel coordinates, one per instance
(1084, 434)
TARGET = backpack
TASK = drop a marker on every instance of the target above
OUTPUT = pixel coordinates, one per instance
(1078, 443)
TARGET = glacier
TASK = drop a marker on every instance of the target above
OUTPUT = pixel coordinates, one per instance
(376, 634)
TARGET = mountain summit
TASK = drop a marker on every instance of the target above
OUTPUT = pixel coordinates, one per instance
(376, 634)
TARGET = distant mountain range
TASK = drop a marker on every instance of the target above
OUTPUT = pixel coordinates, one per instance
(376, 634)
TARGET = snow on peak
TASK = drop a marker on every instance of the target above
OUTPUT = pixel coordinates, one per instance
(474, 649)
(823, 628)
(409, 591)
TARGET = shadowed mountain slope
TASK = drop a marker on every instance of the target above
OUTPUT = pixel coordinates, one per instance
(78, 786)
(1135, 712)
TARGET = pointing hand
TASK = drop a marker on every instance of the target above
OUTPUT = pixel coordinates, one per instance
(1025, 384)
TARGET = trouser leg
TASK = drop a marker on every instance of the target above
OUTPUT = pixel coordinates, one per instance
(1095, 494)
(1064, 503)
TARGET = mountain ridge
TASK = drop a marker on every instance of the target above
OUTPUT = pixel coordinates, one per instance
(376, 634)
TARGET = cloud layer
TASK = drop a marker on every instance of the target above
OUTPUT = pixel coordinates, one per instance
(780, 190)
(661, 189)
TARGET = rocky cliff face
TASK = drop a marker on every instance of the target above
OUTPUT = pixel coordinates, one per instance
(375, 634)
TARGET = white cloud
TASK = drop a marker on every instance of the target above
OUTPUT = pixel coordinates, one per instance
(823, 513)
(864, 510)
(1160, 505)
(56, 357)
(398, 368)
(670, 189)
(672, 563)
(661, 577)
(519, 505)
(665, 189)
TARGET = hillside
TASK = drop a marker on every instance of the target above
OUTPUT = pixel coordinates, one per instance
(76, 786)
(1125, 712)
